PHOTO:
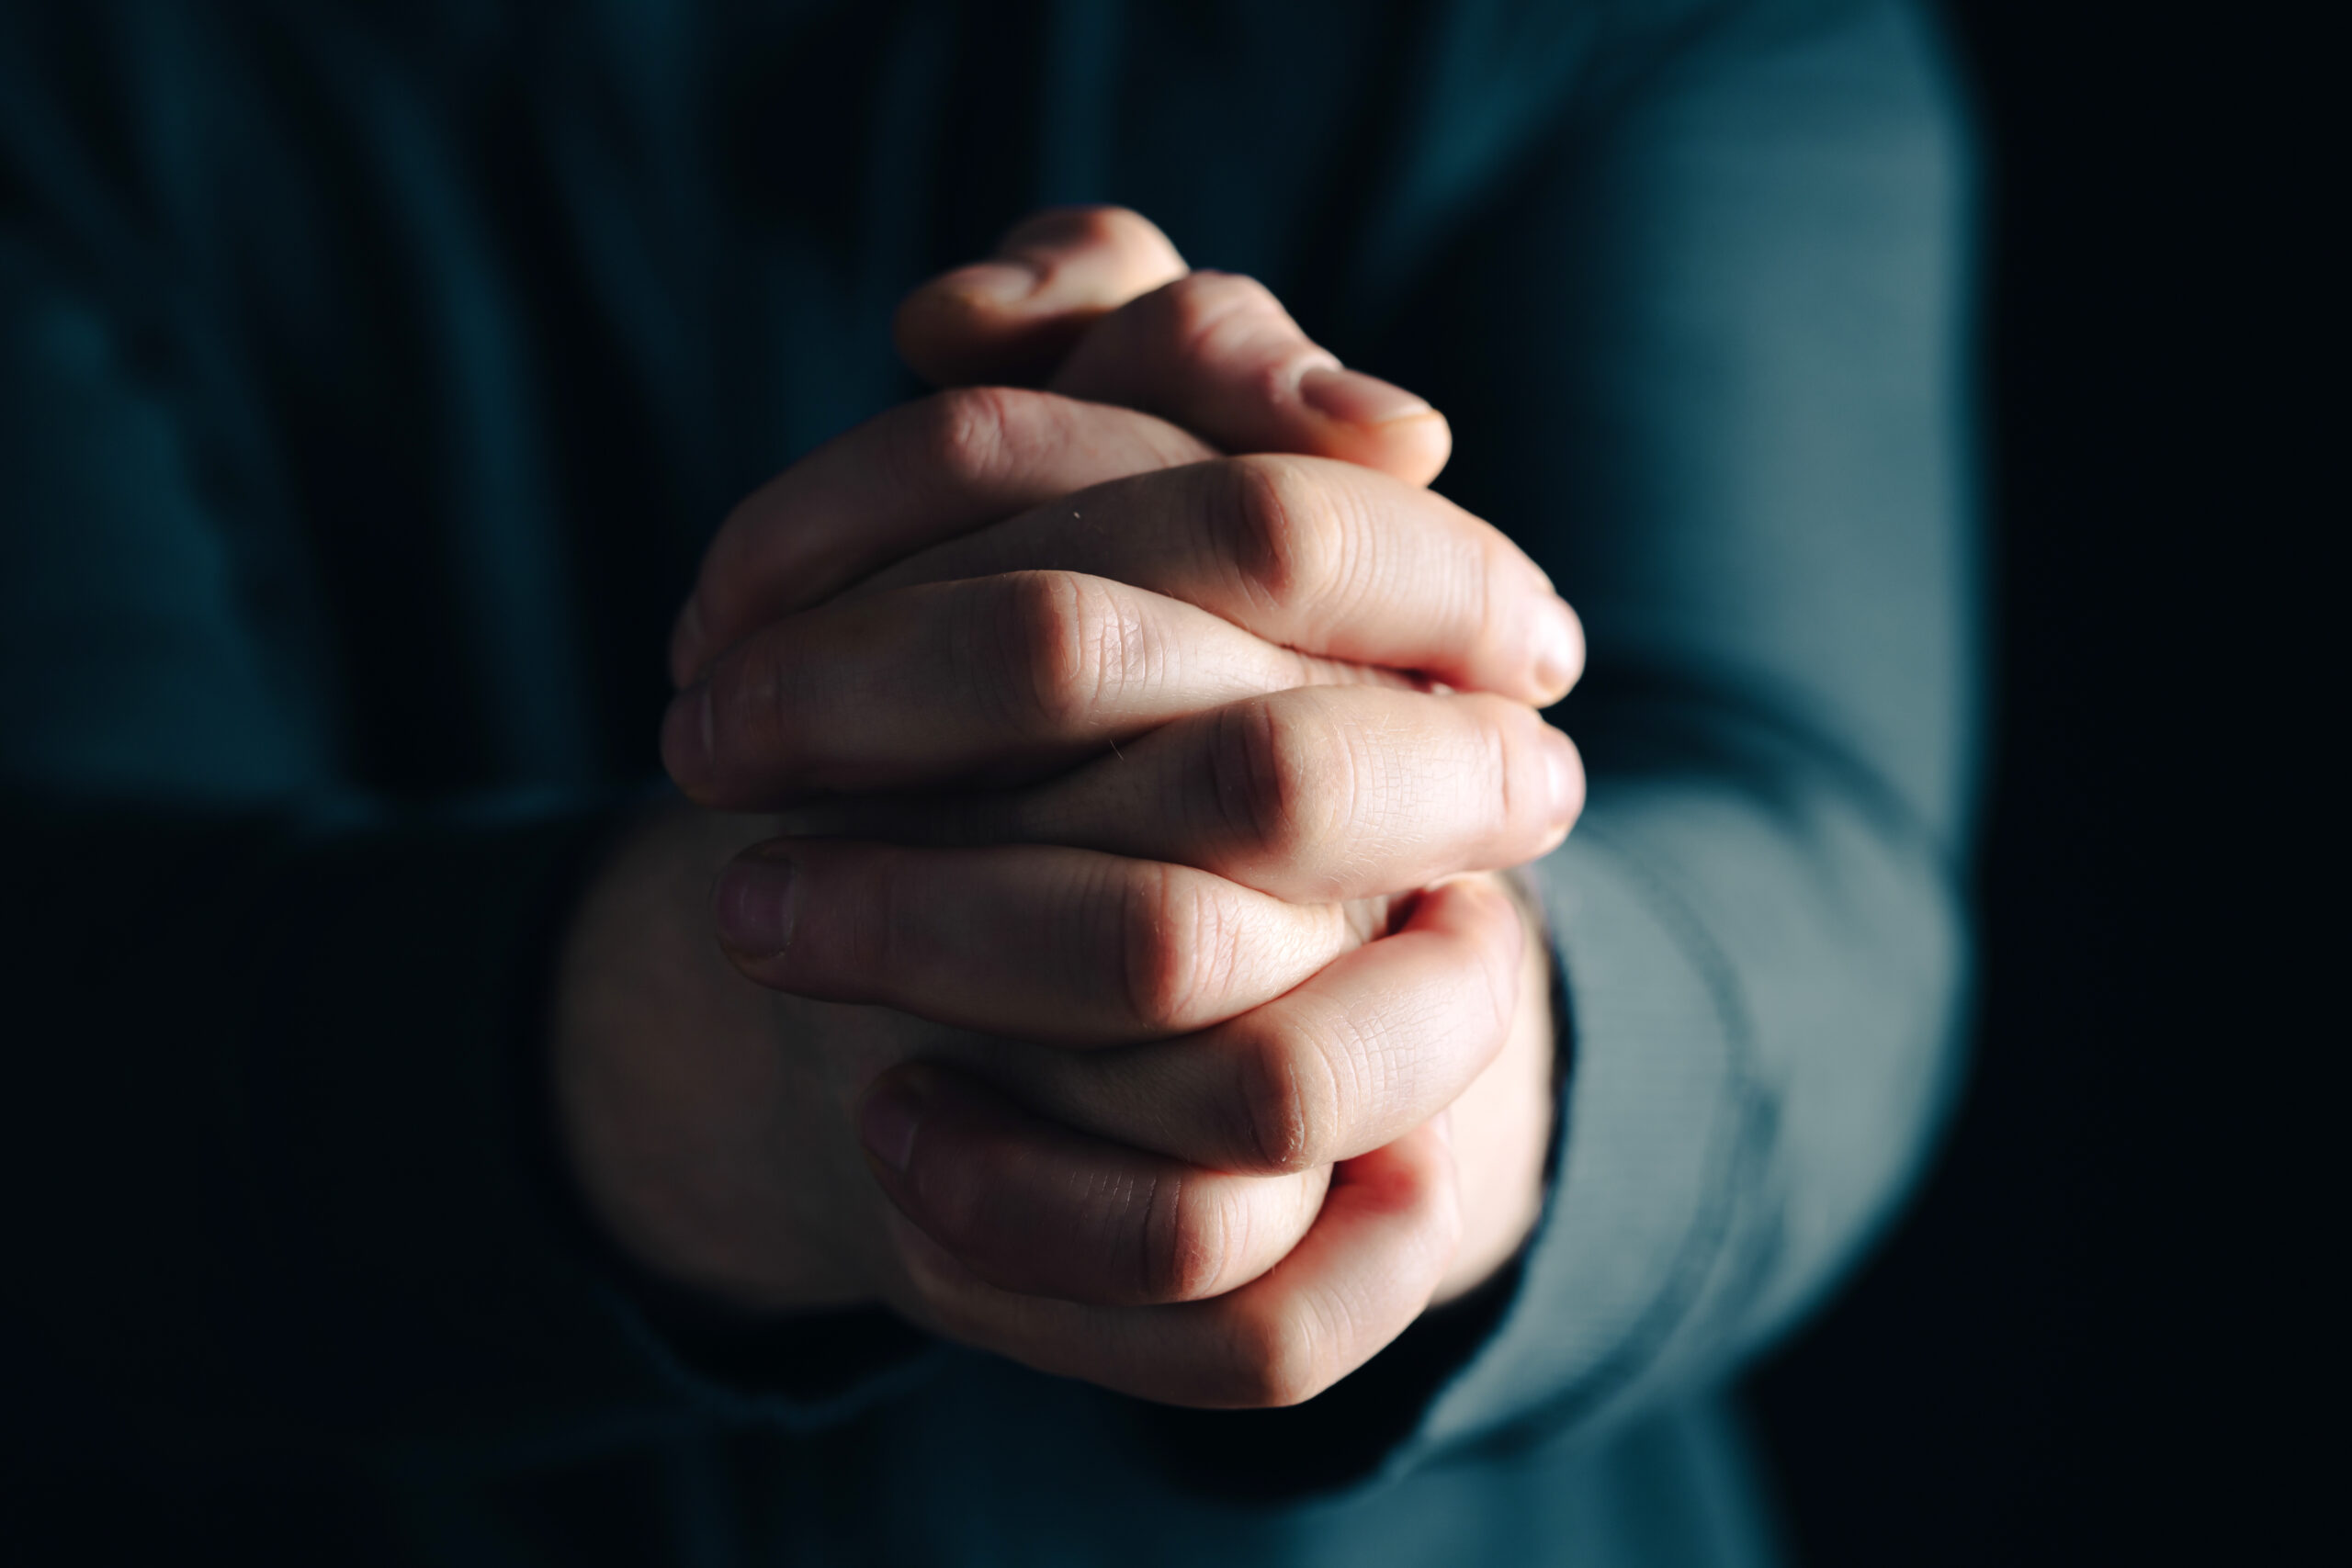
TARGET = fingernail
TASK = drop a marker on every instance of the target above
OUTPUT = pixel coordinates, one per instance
(1353, 398)
(1000, 282)
(1560, 650)
(686, 737)
(755, 905)
(888, 1120)
(1562, 776)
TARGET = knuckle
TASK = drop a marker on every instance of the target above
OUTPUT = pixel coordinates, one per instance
(1273, 1359)
(1284, 1108)
(1189, 1237)
(1060, 645)
(1179, 933)
(967, 437)
(1211, 317)
(1285, 533)
(1279, 774)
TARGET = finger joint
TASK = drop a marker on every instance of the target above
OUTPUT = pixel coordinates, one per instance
(1285, 1104)
(1274, 1356)
(1282, 777)
(1285, 535)
(1181, 946)
(1187, 1238)
(1064, 648)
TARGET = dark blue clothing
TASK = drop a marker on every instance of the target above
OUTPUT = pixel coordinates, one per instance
(372, 376)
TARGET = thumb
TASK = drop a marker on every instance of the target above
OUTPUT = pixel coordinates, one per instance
(1218, 355)
(1096, 303)
(1012, 318)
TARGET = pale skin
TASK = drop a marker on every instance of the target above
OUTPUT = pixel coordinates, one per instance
(1112, 968)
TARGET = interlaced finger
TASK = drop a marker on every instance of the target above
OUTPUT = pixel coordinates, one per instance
(1387, 1232)
(1324, 556)
(1316, 795)
(1029, 1206)
(925, 471)
(989, 680)
(1040, 943)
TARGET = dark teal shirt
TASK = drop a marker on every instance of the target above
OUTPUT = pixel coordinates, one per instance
(371, 374)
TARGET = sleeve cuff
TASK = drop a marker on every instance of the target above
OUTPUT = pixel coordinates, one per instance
(1664, 1123)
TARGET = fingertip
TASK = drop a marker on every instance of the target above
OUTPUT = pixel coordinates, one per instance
(756, 905)
(1557, 639)
(981, 322)
(921, 1130)
(1014, 316)
(688, 740)
(1377, 424)
(1417, 448)
(967, 297)
(1563, 777)
(1468, 899)
(1139, 248)
(1351, 397)
(923, 329)
(1001, 283)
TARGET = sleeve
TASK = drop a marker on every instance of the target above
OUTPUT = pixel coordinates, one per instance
(1714, 366)
(275, 1167)
(1694, 295)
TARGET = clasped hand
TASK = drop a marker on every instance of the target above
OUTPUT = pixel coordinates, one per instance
(1121, 745)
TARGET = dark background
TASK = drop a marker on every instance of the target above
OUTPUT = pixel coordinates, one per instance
(2082, 1346)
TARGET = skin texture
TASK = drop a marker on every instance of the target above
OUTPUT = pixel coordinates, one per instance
(1118, 959)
